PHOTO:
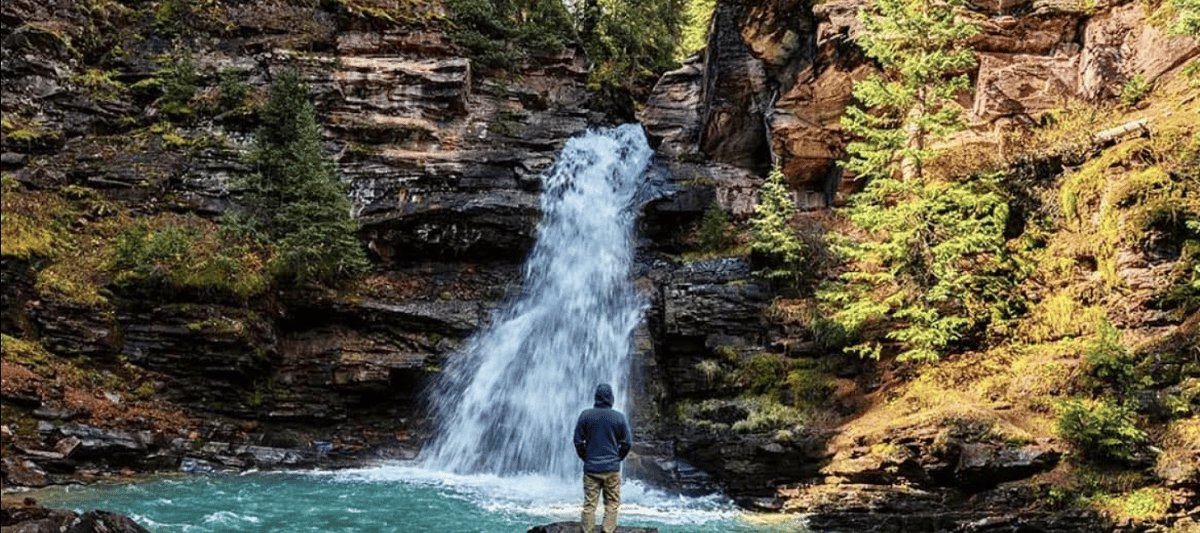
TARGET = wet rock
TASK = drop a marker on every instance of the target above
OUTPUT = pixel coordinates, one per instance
(714, 298)
(100, 442)
(23, 472)
(29, 517)
(50, 413)
(672, 474)
(573, 527)
(104, 522)
(984, 465)
(672, 113)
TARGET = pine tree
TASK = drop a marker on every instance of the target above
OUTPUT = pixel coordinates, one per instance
(631, 41)
(937, 269)
(774, 245)
(931, 264)
(920, 45)
(295, 198)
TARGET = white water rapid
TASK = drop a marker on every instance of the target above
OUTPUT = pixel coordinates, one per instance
(508, 403)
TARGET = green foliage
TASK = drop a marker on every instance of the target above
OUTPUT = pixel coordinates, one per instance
(715, 229)
(918, 45)
(631, 41)
(295, 196)
(1187, 22)
(1142, 505)
(1100, 430)
(501, 34)
(764, 373)
(934, 267)
(100, 84)
(29, 353)
(234, 88)
(186, 254)
(1135, 89)
(766, 414)
(774, 246)
(178, 80)
(694, 36)
(172, 16)
(1109, 364)
(811, 386)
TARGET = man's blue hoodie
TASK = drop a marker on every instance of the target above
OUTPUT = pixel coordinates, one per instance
(602, 434)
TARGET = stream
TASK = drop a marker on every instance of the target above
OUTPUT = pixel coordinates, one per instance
(391, 499)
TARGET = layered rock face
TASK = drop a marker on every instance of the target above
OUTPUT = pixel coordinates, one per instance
(444, 169)
(776, 76)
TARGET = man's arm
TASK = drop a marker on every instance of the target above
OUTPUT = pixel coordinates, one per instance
(625, 441)
(580, 436)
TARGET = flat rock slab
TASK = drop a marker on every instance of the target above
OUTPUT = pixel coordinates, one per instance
(573, 527)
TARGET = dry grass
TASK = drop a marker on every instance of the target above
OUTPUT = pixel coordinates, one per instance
(114, 395)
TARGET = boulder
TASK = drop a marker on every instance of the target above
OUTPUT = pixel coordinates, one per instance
(30, 517)
(987, 464)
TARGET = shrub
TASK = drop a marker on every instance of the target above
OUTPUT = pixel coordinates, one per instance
(178, 79)
(234, 88)
(766, 415)
(1100, 430)
(187, 254)
(1135, 89)
(765, 373)
(1187, 20)
(714, 230)
(932, 267)
(1108, 363)
(500, 35)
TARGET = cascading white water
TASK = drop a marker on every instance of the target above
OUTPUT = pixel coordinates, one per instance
(509, 402)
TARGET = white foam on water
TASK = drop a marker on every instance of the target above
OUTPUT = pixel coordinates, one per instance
(229, 517)
(547, 496)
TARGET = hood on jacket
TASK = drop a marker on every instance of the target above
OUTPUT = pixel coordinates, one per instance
(604, 395)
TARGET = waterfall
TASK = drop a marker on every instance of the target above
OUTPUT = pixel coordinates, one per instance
(508, 402)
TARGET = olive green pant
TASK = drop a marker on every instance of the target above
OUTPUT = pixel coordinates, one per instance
(593, 484)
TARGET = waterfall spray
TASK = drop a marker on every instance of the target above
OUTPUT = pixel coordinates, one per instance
(508, 402)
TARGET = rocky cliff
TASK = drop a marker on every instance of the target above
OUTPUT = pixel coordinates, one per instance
(443, 164)
(769, 90)
(443, 161)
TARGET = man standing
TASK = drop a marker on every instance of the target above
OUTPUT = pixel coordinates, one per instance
(602, 440)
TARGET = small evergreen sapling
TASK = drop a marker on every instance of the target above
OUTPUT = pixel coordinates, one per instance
(774, 245)
(295, 197)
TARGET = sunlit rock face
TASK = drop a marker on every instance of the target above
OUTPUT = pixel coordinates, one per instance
(776, 76)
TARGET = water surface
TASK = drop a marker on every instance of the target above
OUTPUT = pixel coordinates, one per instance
(391, 499)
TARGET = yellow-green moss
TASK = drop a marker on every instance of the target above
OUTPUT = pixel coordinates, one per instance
(29, 221)
(23, 351)
(1142, 505)
(23, 130)
(100, 83)
(19, 419)
(188, 253)
(1061, 315)
(766, 415)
